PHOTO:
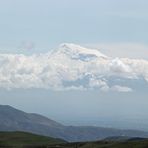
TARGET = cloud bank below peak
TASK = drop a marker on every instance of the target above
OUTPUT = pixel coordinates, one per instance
(70, 67)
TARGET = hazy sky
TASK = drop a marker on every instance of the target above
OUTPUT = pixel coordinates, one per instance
(117, 28)
(42, 25)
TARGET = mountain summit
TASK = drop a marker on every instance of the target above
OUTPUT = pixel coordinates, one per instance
(72, 67)
(79, 52)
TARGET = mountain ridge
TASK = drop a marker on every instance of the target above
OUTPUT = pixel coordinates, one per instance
(12, 119)
(77, 51)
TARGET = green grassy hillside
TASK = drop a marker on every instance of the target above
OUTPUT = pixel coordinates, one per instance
(24, 139)
(28, 140)
(135, 143)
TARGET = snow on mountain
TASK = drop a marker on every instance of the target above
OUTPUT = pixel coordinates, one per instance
(70, 67)
(79, 53)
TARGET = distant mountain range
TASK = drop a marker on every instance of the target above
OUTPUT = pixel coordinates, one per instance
(12, 119)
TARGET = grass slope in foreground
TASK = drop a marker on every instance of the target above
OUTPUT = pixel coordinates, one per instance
(28, 140)
(24, 139)
(131, 143)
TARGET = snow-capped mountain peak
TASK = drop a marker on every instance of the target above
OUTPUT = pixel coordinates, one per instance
(79, 52)
(72, 67)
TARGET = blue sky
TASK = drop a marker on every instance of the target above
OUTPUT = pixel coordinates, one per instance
(47, 23)
(118, 28)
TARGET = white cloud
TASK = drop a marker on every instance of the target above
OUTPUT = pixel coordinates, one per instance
(118, 66)
(121, 88)
(98, 83)
(67, 65)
